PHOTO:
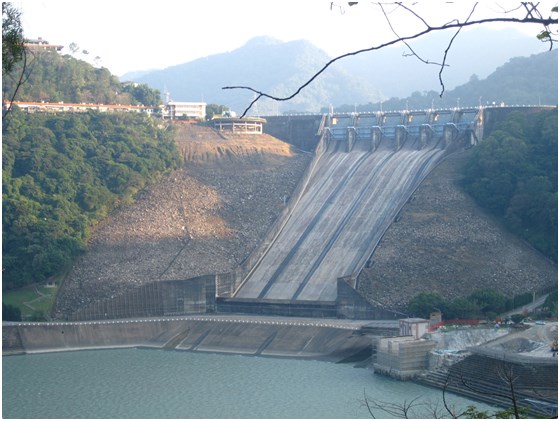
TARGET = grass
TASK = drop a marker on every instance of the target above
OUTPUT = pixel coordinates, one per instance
(32, 301)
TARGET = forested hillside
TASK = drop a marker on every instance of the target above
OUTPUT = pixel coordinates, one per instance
(52, 77)
(514, 174)
(62, 174)
(521, 81)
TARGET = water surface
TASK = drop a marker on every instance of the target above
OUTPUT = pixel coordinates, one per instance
(142, 383)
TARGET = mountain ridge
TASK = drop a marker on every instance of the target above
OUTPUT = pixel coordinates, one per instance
(279, 68)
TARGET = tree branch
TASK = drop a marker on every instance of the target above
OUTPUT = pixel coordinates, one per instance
(528, 19)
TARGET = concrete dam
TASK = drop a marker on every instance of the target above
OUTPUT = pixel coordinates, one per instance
(364, 169)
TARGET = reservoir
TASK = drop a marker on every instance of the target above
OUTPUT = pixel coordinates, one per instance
(149, 383)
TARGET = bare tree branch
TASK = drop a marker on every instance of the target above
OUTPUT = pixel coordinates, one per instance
(529, 18)
(447, 51)
(23, 77)
(413, 52)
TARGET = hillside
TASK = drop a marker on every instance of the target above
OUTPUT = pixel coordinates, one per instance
(444, 243)
(476, 51)
(53, 77)
(279, 68)
(529, 80)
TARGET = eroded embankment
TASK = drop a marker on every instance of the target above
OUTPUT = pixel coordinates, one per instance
(330, 340)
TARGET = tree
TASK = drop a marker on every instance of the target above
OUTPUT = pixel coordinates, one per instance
(12, 37)
(525, 13)
(11, 313)
(13, 48)
(425, 303)
(74, 48)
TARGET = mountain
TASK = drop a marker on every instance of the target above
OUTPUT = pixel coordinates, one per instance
(279, 68)
(267, 65)
(476, 51)
(521, 81)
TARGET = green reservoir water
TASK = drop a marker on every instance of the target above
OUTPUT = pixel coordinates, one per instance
(142, 383)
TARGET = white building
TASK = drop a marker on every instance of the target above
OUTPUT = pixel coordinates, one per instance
(185, 110)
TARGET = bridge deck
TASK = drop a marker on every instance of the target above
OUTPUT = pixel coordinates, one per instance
(349, 203)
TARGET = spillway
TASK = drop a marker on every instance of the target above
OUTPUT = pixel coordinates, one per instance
(349, 202)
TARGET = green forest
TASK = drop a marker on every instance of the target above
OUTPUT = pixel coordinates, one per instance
(52, 77)
(513, 174)
(64, 173)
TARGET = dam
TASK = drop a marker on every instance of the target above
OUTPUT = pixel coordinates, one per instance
(364, 169)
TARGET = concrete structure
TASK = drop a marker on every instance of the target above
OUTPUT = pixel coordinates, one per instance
(402, 357)
(245, 125)
(414, 327)
(185, 110)
(331, 340)
(354, 189)
(365, 168)
(488, 376)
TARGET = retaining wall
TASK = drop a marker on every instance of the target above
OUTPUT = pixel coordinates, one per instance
(271, 337)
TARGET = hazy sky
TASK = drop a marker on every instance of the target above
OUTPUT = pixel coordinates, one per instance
(131, 35)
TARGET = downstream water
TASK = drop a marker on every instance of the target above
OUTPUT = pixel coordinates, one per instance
(142, 383)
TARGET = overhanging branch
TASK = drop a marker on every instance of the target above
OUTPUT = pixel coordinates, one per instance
(529, 19)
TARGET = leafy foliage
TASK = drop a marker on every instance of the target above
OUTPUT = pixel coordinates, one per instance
(62, 174)
(483, 303)
(514, 174)
(11, 313)
(12, 37)
(53, 77)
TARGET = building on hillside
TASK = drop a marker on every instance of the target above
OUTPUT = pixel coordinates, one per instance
(42, 44)
(185, 110)
(62, 107)
(245, 125)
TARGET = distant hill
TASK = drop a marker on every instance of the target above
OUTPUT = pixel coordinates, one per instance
(265, 64)
(477, 51)
(521, 81)
(279, 68)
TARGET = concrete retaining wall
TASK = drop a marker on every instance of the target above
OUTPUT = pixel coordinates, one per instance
(300, 131)
(255, 337)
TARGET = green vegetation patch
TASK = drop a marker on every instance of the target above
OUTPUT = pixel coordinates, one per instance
(34, 303)
(513, 173)
(64, 173)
